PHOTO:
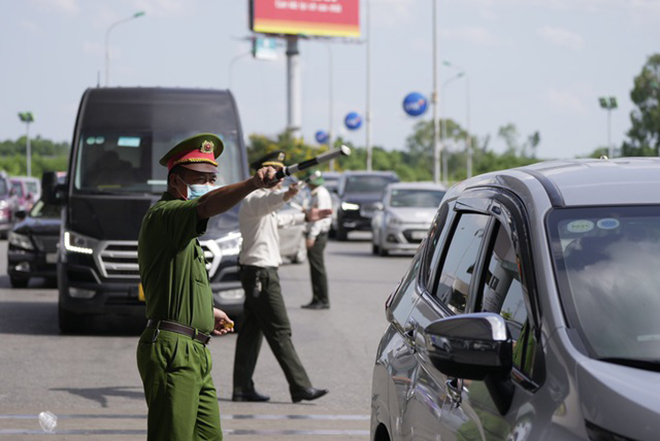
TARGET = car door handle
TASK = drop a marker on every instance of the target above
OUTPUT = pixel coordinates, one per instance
(454, 390)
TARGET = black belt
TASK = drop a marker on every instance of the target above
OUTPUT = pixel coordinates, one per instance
(166, 325)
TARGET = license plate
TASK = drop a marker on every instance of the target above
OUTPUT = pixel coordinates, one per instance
(418, 235)
(51, 258)
(141, 293)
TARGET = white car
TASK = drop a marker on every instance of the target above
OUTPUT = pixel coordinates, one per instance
(404, 216)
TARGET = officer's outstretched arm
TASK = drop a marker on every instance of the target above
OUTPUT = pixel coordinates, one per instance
(222, 199)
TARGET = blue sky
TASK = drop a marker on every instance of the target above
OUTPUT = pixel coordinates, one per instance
(540, 64)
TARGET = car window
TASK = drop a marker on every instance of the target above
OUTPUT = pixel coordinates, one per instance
(18, 189)
(502, 293)
(32, 187)
(3, 187)
(416, 198)
(367, 183)
(460, 260)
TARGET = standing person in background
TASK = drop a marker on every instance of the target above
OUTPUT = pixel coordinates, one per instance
(317, 238)
(172, 355)
(264, 310)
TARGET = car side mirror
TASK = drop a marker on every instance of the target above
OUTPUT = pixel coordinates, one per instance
(475, 347)
(470, 346)
(52, 192)
(20, 214)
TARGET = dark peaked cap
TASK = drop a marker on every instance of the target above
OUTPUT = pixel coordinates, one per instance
(274, 159)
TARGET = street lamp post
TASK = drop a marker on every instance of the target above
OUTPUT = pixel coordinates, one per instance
(107, 43)
(330, 105)
(27, 118)
(367, 119)
(468, 142)
(609, 104)
(437, 175)
(445, 171)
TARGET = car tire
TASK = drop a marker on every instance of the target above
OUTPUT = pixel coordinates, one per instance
(71, 323)
(301, 253)
(342, 234)
(382, 251)
(19, 282)
(375, 249)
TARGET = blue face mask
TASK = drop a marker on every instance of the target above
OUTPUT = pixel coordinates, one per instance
(198, 190)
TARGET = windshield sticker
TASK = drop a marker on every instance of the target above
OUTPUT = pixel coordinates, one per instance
(100, 139)
(608, 224)
(580, 226)
(90, 140)
(128, 141)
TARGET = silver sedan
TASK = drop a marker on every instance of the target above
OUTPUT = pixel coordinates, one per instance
(404, 216)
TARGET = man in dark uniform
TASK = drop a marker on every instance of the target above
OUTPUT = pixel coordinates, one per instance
(264, 309)
(173, 359)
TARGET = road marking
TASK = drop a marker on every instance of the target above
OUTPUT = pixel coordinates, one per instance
(222, 416)
(257, 432)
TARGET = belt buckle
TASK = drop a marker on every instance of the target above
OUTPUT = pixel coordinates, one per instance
(202, 338)
(156, 334)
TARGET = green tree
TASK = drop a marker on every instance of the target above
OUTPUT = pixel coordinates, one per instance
(644, 135)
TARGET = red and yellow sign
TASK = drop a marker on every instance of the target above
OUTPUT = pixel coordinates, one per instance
(328, 18)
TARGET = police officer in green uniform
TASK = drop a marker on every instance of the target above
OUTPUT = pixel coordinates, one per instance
(172, 355)
(264, 309)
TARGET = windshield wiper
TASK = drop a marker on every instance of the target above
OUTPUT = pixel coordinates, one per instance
(639, 363)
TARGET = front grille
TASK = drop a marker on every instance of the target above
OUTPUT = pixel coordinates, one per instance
(120, 259)
(48, 244)
(419, 235)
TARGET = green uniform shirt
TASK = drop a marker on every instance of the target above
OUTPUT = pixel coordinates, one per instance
(172, 264)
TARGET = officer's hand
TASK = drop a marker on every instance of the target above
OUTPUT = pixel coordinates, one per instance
(309, 242)
(265, 178)
(292, 191)
(223, 324)
(314, 214)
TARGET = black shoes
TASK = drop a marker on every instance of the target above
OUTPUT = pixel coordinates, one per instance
(308, 394)
(316, 305)
(250, 396)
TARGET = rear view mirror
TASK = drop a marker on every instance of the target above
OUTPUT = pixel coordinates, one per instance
(470, 346)
(51, 192)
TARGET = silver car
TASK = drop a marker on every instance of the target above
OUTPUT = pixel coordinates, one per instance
(530, 311)
(404, 216)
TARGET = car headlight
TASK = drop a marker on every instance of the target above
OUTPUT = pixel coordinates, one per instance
(393, 221)
(347, 206)
(77, 243)
(20, 241)
(230, 245)
(3, 204)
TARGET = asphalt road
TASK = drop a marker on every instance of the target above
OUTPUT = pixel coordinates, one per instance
(91, 383)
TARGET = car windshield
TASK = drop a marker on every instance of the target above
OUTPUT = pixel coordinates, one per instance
(43, 210)
(416, 198)
(3, 187)
(607, 262)
(127, 162)
(367, 183)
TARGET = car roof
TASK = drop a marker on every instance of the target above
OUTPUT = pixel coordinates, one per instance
(580, 182)
(369, 173)
(417, 185)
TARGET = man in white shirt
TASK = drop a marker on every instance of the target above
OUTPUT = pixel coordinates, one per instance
(264, 309)
(317, 238)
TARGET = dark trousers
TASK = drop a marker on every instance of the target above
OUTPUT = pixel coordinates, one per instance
(265, 315)
(317, 269)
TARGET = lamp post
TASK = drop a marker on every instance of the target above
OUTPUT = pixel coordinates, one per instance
(27, 118)
(445, 171)
(107, 43)
(437, 175)
(468, 143)
(330, 105)
(367, 116)
(609, 104)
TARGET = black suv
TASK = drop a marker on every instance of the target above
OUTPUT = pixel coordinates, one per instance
(359, 193)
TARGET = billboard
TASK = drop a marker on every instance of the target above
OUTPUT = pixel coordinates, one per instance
(327, 18)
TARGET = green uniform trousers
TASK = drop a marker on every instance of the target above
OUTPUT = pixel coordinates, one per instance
(176, 374)
(265, 315)
(317, 269)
